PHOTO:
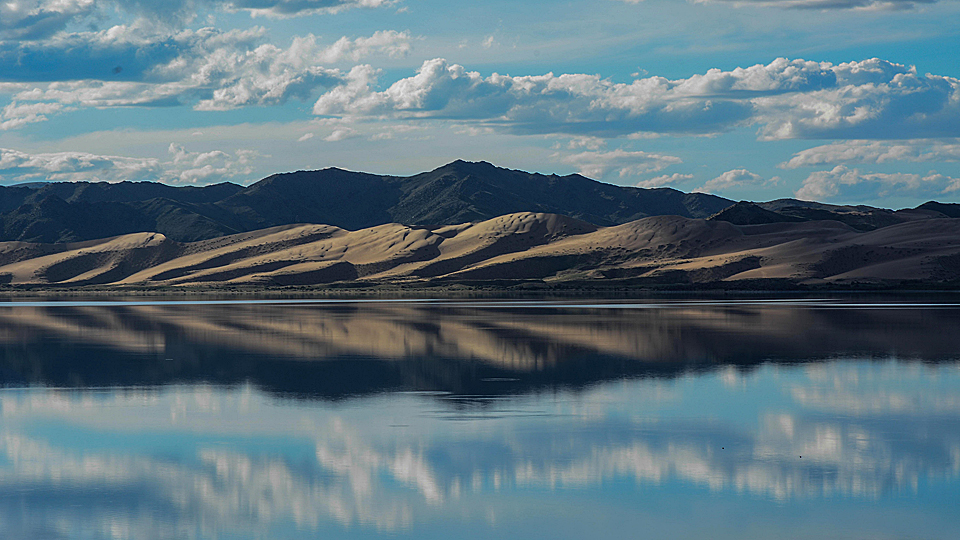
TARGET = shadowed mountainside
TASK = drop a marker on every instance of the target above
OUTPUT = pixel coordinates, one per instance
(515, 247)
(455, 193)
(458, 192)
(860, 217)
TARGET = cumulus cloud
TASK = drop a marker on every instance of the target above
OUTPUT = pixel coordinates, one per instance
(213, 70)
(843, 182)
(597, 164)
(734, 179)
(872, 99)
(665, 180)
(207, 68)
(569, 103)
(875, 152)
(181, 167)
(869, 5)
(16, 115)
(590, 143)
(341, 134)
(186, 10)
(205, 167)
(35, 19)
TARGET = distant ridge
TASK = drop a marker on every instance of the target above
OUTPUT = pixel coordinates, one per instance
(860, 217)
(947, 209)
(748, 213)
(458, 192)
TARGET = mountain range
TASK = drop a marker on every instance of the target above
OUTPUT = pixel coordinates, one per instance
(464, 222)
(459, 192)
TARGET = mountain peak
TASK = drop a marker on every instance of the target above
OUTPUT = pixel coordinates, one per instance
(468, 166)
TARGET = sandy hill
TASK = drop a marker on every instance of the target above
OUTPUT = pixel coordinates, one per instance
(521, 246)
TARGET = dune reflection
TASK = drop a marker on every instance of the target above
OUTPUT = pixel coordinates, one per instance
(506, 338)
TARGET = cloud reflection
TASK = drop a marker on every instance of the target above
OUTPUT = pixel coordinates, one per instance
(198, 461)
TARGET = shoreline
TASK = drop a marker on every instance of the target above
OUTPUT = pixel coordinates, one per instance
(535, 290)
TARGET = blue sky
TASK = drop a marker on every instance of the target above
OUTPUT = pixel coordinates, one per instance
(847, 101)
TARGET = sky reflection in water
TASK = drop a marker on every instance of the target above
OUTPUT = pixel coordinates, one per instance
(478, 422)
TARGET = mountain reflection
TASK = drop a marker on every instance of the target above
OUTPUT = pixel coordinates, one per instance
(187, 461)
(333, 350)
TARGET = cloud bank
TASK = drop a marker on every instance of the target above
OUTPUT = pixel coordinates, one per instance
(786, 99)
(842, 182)
(597, 164)
(867, 5)
(735, 178)
(875, 152)
(182, 167)
(210, 69)
(207, 69)
(41, 19)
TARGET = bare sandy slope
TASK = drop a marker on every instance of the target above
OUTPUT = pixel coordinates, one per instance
(662, 249)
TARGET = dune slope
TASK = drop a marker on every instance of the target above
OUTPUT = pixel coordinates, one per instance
(522, 246)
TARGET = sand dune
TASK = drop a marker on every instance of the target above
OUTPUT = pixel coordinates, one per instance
(523, 246)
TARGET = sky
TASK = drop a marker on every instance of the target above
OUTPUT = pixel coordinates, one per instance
(841, 101)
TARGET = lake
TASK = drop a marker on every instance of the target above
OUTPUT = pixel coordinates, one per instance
(283, 419)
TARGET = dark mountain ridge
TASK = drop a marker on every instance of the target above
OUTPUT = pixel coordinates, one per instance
(860, 217)
(455, 193)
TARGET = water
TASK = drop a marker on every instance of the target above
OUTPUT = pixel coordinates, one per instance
(429, 419)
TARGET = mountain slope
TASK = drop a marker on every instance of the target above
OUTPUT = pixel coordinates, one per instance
(463, 191)
(456, 193)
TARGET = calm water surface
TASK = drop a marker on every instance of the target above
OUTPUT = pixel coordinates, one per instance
(422, 419)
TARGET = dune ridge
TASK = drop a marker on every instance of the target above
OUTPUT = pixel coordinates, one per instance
(514, 247)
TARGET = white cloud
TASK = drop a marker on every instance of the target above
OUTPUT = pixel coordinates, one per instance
(210, 69)
(596, 164)
(665, 180)
(306, 137)
(875, 152)
(868, 5)
(734, 179)
(843, 182)
(206, 167)
(590, 143)
(16, 115)
(33, 19)
(213, 70)
(40, 19)
(872, 99)
(340, 134)
(182, 166)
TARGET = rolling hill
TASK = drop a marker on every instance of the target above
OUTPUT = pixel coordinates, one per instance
(532, 247)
